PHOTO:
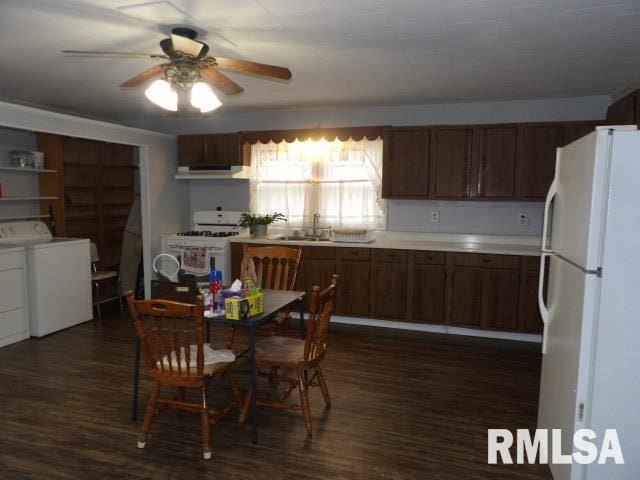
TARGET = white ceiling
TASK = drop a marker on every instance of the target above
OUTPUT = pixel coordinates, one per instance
(341, 52)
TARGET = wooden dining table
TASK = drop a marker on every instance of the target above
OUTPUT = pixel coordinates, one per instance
(275, 302)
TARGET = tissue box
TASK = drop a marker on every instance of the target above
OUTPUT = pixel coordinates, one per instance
(253, 303)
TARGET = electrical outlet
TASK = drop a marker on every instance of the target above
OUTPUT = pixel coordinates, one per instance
(435, 216)
(523, 219)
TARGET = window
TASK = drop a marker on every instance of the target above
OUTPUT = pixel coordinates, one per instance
(339, 180)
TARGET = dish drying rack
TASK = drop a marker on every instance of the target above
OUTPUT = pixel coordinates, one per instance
(352, 235)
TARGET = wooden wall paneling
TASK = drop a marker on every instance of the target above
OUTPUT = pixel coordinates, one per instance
(409, 166)
(536, 161)
(52, 184)
(451, 154)
(497, 153)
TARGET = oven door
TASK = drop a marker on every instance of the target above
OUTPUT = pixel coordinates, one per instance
(197, 262)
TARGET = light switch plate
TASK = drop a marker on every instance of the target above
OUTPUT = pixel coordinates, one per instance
(523, 219)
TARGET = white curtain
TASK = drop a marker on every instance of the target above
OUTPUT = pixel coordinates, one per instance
(339, 180)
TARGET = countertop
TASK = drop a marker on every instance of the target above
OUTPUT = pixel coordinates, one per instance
(467, 243)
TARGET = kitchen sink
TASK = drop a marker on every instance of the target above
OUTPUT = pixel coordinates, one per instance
(290, 238)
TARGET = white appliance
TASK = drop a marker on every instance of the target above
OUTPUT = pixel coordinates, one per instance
(14, 307)
(58, 276)
(209, 240)
(591, 316)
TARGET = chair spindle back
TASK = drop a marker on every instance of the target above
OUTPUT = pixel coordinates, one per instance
(166, 331)
(320, 311)
(273, 268)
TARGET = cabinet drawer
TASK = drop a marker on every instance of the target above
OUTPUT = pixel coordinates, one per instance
(483, 260)
(429, 258)
(354, 253)
(319, 253)
(388, 255)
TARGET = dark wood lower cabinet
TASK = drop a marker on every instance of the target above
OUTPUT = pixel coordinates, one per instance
(496, 292)
(389, 291)
(429, 294)
(466, 296)
(354, 297)
(501, 299)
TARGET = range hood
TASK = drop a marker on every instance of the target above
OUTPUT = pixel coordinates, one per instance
(212, 172)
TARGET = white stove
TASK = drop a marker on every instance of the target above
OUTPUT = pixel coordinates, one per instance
(207, 246)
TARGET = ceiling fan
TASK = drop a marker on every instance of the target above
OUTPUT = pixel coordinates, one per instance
(189, 67)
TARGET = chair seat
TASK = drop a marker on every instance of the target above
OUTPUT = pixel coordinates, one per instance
(280, 350)
(214, 360)
(103, 274)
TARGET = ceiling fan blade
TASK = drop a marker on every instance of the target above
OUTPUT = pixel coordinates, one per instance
(144, 76)
(220, 81)
(91, 53)
(187, 45)
(244, 66)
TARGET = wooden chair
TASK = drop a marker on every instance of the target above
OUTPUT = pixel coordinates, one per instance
(172, 336)
(99, 276)
(274, 268)
(299, 356)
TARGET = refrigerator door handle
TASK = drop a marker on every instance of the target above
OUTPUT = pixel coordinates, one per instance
(544, 311)
(553, 189)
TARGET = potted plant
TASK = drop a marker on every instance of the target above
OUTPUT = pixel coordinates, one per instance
(258, 223)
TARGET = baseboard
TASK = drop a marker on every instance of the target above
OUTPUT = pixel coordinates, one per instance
(422, 327)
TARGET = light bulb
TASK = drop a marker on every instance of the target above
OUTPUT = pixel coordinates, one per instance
(202, 97)
(161, 93)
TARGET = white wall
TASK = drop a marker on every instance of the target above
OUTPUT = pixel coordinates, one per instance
(498, 218)
(17, 184)
(164, 200)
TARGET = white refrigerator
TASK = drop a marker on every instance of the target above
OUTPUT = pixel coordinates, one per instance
(590, 305)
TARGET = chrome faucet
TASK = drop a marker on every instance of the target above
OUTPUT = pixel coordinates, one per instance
(316, 223)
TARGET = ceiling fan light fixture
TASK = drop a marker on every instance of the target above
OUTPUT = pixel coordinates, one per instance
(203, 98)
(161, 94)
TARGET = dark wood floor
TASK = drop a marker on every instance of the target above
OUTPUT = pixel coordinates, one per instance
(405, 405)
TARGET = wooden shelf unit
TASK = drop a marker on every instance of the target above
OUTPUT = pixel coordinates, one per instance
(26, 170)
(95, 188)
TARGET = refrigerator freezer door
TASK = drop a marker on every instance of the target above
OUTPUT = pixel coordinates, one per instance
(572, 306)
(581, 185)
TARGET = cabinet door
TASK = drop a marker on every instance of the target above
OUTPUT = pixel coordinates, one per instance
(191, 150)
(501, 299)
(530, 320)
(537, 159)
(389, 290)
(224, 149)
(429, 290)
(497, 162)
(572, 131)
(624, 111)
(314, 272)
(408, 170)
(451, 160)
(466, 296)
(353, 296)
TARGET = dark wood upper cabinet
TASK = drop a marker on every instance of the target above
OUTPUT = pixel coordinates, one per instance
(210, 150)
(451, 162)
(406, 171)
(624, 111)
(537, 146)
(572, 131)
(496, 151)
